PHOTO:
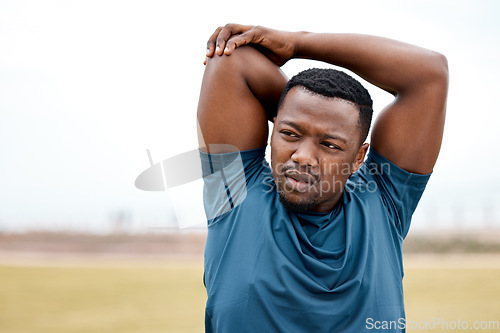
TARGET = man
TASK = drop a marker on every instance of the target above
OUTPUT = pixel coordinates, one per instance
(314, 242)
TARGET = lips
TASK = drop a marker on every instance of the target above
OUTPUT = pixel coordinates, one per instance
(300, 176)
(298, 181)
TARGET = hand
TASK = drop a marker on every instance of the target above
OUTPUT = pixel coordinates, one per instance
(279, 46)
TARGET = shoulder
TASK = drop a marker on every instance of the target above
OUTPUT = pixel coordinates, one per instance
(376, 168)
(397, 190)
(229, 178)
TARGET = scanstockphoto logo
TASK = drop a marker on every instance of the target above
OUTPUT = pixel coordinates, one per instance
(430, 324)
(224, 182)
(326, 179)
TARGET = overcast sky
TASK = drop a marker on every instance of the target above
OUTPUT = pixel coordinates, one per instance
(87, 86)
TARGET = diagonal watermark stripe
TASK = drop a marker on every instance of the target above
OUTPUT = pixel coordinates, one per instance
(224, 181)
(174, 171)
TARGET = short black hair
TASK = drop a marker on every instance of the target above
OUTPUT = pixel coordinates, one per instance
(335, 83)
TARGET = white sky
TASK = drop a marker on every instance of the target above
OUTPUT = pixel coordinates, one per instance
(87, 86)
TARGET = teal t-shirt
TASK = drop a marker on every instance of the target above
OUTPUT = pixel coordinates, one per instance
(268, 269)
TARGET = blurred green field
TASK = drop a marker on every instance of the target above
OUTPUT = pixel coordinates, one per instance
(170, 297)
(452, 295)
(161, 298)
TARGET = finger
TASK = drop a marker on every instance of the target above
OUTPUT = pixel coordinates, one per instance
(226, 33)
(211, 42)
(250, 36)
(235, 42)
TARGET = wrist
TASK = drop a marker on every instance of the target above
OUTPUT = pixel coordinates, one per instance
(298, 43)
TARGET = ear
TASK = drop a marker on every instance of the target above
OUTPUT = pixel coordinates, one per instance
(274, 119)
(360, 157)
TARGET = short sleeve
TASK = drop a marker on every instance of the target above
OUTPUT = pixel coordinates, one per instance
(400, 190)
(227, 178)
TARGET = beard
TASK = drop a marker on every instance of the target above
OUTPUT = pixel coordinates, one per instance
(295, 206)
(302, 205)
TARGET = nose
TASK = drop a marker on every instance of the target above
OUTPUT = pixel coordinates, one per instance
(306, 155)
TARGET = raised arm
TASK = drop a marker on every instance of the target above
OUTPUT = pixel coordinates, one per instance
(409, 131)
(238, 94)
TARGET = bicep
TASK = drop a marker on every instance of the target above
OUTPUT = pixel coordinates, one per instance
(409, 131)
(236, 93)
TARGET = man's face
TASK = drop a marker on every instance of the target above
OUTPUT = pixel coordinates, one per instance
(315, 147)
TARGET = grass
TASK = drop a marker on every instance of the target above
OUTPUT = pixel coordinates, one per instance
(100, 299)
(168, 297)
(445, 296)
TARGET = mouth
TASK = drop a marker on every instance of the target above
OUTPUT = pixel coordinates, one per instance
(298, 181)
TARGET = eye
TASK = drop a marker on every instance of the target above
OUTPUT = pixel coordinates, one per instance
(330, 145)
(289, 133)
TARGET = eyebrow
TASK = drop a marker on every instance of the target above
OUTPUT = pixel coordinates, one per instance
(322, 135)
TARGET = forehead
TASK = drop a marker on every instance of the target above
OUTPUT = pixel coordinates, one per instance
(318, 113)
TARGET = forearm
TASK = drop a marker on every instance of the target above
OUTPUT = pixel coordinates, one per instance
(391, 65)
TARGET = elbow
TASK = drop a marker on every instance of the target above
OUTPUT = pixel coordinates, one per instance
(439, 68)
(431, 69)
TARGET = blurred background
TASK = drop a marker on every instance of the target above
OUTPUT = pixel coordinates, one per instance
(86, 87)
